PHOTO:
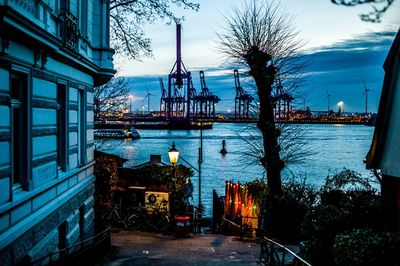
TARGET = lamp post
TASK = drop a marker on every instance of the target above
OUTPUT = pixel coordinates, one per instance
(200, 161)
(173, 155)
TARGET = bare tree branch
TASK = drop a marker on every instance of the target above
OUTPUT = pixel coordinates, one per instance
(379, 8)
(128, 18)
(110, 97)
(295, 148)
(266, 26)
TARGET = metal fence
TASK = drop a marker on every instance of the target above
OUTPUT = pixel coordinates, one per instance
(275, 254)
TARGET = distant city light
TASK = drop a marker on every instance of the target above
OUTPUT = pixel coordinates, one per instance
(340, 108)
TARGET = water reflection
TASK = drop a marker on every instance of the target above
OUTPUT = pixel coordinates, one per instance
(334, 148)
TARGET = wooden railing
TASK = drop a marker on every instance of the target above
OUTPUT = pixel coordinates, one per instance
(275, 254)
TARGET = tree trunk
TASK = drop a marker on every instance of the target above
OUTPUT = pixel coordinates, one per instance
(264, 77)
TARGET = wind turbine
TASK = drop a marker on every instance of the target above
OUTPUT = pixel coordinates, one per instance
(328, 96)
(365, 92)
(148, 95)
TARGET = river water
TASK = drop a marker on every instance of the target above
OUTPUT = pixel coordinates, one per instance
(328, 149)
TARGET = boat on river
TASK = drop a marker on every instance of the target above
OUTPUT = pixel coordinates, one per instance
(115, 131)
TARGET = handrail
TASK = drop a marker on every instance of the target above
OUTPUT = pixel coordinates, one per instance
(274, 256)
(242, 229)
(229, 221)
(51, 254)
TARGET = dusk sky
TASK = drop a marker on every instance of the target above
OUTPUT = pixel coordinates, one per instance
(344, 52)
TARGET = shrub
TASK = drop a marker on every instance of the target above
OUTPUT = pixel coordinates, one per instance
(320, 227)
(346, 201)
(365, 247)
(354, 196)
(296, 201)
(346, 180)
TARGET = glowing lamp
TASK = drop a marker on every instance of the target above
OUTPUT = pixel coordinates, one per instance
(173, 154)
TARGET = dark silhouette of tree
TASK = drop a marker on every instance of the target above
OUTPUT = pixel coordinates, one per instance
(262, 35)
(379, 8)
(127, 18)
(110, 97)
(294, 146)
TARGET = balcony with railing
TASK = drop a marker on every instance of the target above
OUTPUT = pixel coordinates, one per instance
(69, 30)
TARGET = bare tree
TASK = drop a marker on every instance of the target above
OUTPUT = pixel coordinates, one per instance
(262, 35)
(128, 18)
(295, 148)
(379, 8)
(110, 97)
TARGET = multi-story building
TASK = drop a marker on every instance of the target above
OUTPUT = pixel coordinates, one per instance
(52, 54)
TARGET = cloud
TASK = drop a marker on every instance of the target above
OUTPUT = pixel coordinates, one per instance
(340, 68)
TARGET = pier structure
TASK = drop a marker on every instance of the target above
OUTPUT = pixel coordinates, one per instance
(283, 102)
(242, 99)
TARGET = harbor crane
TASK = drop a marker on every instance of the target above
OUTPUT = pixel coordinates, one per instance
(207, 99)
(282, 104)
(242, 99)
(178, 97)
(164, 99)
(194, 98)
(181, 101)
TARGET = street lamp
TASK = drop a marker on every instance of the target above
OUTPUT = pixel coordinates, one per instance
(173, 154)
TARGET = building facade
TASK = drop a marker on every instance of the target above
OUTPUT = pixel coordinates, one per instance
(52, 54)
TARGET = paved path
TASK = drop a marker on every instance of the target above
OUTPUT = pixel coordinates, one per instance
(140, 248)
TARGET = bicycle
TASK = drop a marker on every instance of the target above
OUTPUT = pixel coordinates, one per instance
(114, 217)
(157, 219)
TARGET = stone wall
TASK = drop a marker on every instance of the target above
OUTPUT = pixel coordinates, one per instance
(44, 237)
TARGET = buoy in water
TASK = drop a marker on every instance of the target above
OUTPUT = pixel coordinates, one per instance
(223, 150)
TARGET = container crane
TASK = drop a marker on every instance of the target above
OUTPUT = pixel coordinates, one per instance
(242, 99)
